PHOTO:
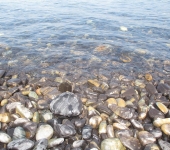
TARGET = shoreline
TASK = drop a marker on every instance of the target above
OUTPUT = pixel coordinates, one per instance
(94, 114)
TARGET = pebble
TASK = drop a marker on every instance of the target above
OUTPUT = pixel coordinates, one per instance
(131, 143)
(146, 138)
(102, 127)
(162, 107)
(93, 83)
(164, 144)
(152, 147)
(166, 129)
(41, 144)
(95, 121)
(67, 104)
(150, 88)
(159, 122)
(24, 112)
(18, 133)
(110, 131)
(44, 131)
(4, 138)
(148, 76)
(5, 117)
(33, 95)
(112, 144)
(86, 132)
(54, 142)
(20, 144)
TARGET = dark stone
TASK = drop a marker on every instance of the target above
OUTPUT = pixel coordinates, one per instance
(148, 127)
(86, 132)
(155, 113)
(79, 143)
(151, 147)
(80, 122)
(131, 143)
(136, 124)
(163, 88)
(102, 97)
(13, 82)
(66, 104)
(129, 92)
(2, 72)
(124, 133)
(164, 145)
(31, 128)
(41, 144)
(103, 109)
(20, 144)
(65, 86)
(150, 88)
(113, 93)
(124, 112)
(157, 133)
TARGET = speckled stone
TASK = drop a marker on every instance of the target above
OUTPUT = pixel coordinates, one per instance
(164, 144)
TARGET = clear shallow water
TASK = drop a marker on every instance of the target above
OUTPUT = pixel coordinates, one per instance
(41, 36)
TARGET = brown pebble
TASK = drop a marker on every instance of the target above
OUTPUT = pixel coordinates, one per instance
(148, 76)
(162, 107)
(5, 118)
(166, 129)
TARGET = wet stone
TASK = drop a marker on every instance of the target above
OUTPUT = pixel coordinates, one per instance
(146, 138)
(94, 121)
(65, 86)
(148, 76)
(30, 129)
(164, 145)
(18, 133)
(166, 129)
(41, 144)
(79, 143)
(4, 138)
(86, 132)
(5, 117)
(137, 124)
(2, 72)
(157, 133)
(20, 144)
(125, 58)
(80, 122)
(163, 88)
(162, 107)
(33, 95)
(44, 131)
(54, 142)
(13, 82)
(150, 88)
(131, 143)
(24, 112)
(110, 131)
(93, 83)
(124, 112)
(67, 104)
(153, 112)
(112, 144)
(152, 147)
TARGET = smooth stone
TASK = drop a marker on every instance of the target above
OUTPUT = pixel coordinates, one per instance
(164, 145)
(92, 112)
(36, 117)
(64, 130)
(79, 143)
(162, 107)
(67, 104)
(146, 138)
(148, 127)
(43, 104)
(80, 122)
(136, 124)
(125, 58)
(18, 133)
(4, 102)
(140, 83)
(20, 144)
(103, 109)
(4, 138)
(157, 133)
(2, 72)
(113, 93)
(124, 133)
(86, 132)
(94, 121)
(148, 76)
(12, 106)
(92, 83)
(50, 92)
(110, 131)
(30, 129)
(44, 131)
(112, 144)
(163, 88)
(121, 102)
(54, 142)
(46, 115)
(24, 112)
(65, 86)
(129, 92)
(33, 95)
(124, 112)
(159, 122)
(5, 117)
(41, 144)
(122, 121)
(152, 147)
(13, 82)
(131, 143)
(102, 127)
(119, 126)
(166, 129)
(150, 88)
(153, 112)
